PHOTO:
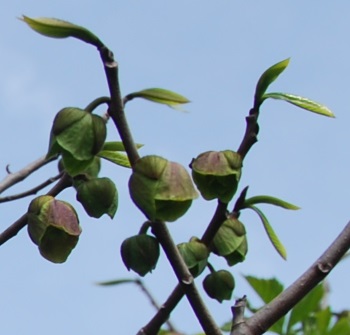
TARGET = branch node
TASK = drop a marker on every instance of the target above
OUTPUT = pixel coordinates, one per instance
(324, 267)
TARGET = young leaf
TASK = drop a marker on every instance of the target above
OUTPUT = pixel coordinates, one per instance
(117, 146)
(160, 96)
(115, 157)
(301, 102)
(310, 303)
(266, 79)
(266, 199)
(270, 233)
(117, 282)
(61, 29)
(267, 289)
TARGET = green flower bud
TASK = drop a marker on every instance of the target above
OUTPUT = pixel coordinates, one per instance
(53, 226)
(219, 285)
(216, 174)
(98, 196)
(140, 253)
(162, 190)
(78, 133)
(230, 241)
(195, 254)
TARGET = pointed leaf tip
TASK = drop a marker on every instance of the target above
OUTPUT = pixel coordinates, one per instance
(269, 76)
(56, 28)
(301, 102)
(271, 233)
(161, 96)
(266, 199)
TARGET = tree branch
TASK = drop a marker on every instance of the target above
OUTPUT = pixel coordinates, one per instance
(13, 230)
(185, 278)
(263, 319)
(14, 178)
(32, 191)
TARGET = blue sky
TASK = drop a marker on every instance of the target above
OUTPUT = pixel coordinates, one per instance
(213, 53)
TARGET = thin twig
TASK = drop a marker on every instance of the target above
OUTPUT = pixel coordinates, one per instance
(13, 230)
(16, 177)
(263, 319)
(32, 191)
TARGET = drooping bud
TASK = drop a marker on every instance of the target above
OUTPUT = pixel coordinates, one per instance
(78, 136)
(195, 254)
(230, 241)
(216, 174)
(53, 226)
(162, 190)
(219, 285)
(98, 196)
(140, 253)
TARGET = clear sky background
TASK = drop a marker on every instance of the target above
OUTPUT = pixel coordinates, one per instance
(213, 52)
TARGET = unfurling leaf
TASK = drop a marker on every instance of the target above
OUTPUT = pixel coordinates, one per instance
(269, 76)
(117, 146)
(270, 232)
(115, 157)
(301, 102)
(61, 29)
(160, 96)
(266, 199)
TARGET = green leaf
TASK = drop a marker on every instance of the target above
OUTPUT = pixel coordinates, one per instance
(269, 76)
(115, 157)
(267, 290)
(117, 282)
(301, 102)
(342, 327)
(270, 233)
(266, 199)
(310, 303)
(117, 146)
(61, 29)
(161, 96)
(73, 166)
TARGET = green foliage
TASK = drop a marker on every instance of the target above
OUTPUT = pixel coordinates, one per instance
(219, 285)
(161, 96)
(267, 78)
(301, 102)
(61, 29)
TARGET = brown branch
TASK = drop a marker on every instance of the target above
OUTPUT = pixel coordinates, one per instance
(263, 319)
(14, 178)
(13, 230)
(32, 191)
(116, 107)
(185, 278)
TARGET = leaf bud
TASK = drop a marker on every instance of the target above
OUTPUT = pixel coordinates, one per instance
(161, 189)
(216, 174)
(140, 253)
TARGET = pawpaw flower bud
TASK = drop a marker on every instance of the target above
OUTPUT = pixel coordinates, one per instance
(195, 254)
(162, 190)
(98, 196)
(216, 174)
(53, 226)
(219, 285)
(77, 134)
(230, 241)
(140, 253)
